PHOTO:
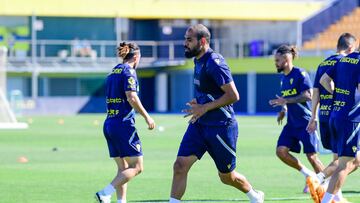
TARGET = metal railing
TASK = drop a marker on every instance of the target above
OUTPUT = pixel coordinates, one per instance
(63, 50)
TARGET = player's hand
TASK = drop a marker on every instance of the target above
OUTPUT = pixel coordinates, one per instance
(193, 101)
(280, 117)
(150, 122)
(279, 101)
(196, 111)
(312, 125)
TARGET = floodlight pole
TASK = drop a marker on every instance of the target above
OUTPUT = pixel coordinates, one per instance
(299, 34)
(35, 71)
(33, 39)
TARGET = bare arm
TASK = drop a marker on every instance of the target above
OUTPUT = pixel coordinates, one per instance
(230, 96)
(315, 103)
(327, 82)
(312, 125)
(281, 101)
(303, 97)
(135, 102)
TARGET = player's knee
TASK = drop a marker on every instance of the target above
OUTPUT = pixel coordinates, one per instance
(179, 167)
(140, 168)
(281, 153)
(227, 178)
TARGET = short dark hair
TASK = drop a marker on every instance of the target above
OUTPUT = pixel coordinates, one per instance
(287, 49)
(201, 31)
(344, 41)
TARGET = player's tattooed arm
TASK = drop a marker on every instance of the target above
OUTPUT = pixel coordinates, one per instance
(303, 97)
(281, 101)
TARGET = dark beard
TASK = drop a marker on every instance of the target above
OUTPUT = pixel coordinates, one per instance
(193, 52)
(279, 70)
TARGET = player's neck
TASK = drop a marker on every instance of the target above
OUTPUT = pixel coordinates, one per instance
(343, 53)
(203, 51)
(287, 70)
(131, 64)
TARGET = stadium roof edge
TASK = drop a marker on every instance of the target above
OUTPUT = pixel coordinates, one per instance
(164, 9)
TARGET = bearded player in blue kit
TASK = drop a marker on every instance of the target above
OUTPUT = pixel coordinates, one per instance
(212, 126)
(295, 101)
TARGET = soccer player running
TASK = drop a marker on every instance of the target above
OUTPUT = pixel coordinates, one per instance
(344, 118)
(295, 100)
(119, 127)
(321, 97)
(212, 126)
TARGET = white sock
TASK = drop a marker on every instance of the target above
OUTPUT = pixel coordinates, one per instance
(121, 201)
(173, 200)
(326, 182)
(306, 172)
(328, 197)
(252, 195)
(321, 177)
(108, 190)
(338, 196)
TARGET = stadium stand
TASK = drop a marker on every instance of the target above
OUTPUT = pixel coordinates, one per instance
(322, 30)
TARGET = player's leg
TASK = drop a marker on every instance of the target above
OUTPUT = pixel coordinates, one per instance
(283, 153)
(124, 143)
(289, 141)
(221, 144)
(315, 162)
(348, 133)
(346, 165)
(181, 168)
(135, 167)
(328, 139)
(121, 189)
(191, 149)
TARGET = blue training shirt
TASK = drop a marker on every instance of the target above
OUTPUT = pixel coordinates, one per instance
(326, 98)
(210, 73)
(121, 79)
(346, 75)
(292, 85)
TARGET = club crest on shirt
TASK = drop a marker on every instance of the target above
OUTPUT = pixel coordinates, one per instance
(354, 148)
(229, 165)
(131, 81)
(291, 81)
(217, 61)
(138, 147)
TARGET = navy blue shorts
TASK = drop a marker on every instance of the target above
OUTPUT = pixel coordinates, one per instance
(291, 137)
(326, 136)
(219, 141)
(347, 136)
(122, 139)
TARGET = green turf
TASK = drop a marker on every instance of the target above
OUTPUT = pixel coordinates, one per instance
(81, 166)
(262, 65)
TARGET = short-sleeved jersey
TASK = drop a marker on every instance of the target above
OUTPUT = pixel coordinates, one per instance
(292, 85)
(121, 79)
(326, 98)
(346, 75)
(210, 73)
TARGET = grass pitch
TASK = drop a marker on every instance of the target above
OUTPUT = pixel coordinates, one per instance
(68, 162)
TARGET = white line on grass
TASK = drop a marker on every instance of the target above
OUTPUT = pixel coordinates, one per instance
(241, 200)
